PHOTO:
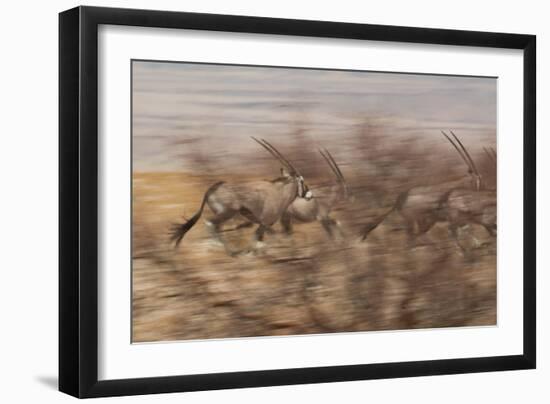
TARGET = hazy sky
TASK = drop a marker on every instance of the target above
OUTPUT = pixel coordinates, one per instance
(218, 107)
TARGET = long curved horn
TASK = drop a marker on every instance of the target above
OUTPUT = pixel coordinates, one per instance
(274, 153)
(282, 157)
(466, 152)
(489, 154)
(268, 149)
(459, 151)
(335, 166)
(335, 172)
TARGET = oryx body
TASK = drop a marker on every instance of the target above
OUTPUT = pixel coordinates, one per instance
(466, 206)
(319, 207)
(261, 202)
(422, 207)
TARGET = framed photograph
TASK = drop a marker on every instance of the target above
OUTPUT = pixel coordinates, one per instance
(251, 201)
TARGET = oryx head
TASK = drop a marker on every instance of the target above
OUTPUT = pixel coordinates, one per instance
(288, 170)
(337, 172)
(472, 169)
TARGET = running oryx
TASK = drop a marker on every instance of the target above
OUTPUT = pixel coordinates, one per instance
(467, 206)
(261, 202)
(423, 206)
(319, 208)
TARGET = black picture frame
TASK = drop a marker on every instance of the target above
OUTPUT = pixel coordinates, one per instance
(78, 201)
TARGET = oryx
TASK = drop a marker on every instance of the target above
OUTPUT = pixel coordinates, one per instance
(468, 206)
(423, 206)
(319, 207)
(261, 202)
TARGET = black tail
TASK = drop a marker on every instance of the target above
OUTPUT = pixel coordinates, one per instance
(396, 206)
(179, 230)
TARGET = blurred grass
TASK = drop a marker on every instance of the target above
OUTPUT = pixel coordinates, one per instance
(305, 283)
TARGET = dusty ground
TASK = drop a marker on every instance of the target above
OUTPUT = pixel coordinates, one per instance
(298, 284)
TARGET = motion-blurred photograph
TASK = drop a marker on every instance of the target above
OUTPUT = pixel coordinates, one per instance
(280, 201)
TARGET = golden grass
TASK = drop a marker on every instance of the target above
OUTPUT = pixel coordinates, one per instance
(301, 284)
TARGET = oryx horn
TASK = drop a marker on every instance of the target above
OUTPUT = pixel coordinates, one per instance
(466, 153)
(330, 161)
(489, 154)
(458, 150)
(277, 154)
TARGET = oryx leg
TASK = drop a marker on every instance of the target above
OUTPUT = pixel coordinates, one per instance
(286, 222)
(417, 230)
(215, 223)
(453, 231)
(467, 253)
(259, 237)
(426, 225)
(329, 224)
(412, 227)
(260, 231)
(244, 225)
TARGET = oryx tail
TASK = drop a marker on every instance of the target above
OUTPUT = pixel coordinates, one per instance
(179, 230)
(396, 206)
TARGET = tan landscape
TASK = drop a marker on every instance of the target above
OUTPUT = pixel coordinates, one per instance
(382, 269)
(305, 283)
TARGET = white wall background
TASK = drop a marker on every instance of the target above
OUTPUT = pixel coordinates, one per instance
(28, 206)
